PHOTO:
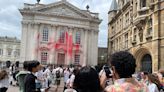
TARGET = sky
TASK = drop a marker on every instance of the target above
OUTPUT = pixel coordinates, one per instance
(10, 18)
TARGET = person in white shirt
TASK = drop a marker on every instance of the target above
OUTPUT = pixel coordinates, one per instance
(154, 83)
(72, 77)
(66, 76)
(40, 78)
(47, 74)
(4, 81)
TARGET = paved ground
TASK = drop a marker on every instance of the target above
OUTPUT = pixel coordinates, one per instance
(52, 89)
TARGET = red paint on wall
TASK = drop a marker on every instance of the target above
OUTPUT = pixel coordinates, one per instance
(67, 47)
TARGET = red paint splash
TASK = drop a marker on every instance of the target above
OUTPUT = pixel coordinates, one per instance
(67, 46)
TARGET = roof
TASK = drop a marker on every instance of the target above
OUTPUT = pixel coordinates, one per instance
(113, 6)
(9, 39)
(43, 8)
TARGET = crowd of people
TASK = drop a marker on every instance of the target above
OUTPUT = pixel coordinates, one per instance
(118, 75)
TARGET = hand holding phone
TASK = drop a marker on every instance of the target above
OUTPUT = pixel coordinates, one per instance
(108, 72)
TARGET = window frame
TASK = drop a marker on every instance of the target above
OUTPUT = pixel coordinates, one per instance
(44, 54)
(78, 38)
(126, 40)
(77, 57)
(143, 4)
(45, 34)
(62, 36)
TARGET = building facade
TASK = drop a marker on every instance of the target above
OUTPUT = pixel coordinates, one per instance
(9, 49)
(102, 55)
(59, 33)
(137, 26)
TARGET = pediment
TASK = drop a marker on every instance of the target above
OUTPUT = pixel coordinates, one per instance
(63, 8)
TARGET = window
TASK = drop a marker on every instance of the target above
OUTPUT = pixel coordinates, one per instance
(1, 51)
(9, 52)
(45, 34)
(126, 40)
(17, 53)
(62, 37)
(44, 57)
(150, 26)
(112, 46)
(143, 3)
(117, 45)
(78, 38)
(112, 30)
(77, 59)
(127, 19)
(120, 24)
(120, 43)
(135, 35)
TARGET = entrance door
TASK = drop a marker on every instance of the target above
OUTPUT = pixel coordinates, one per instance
(61, 59)
(146, 63)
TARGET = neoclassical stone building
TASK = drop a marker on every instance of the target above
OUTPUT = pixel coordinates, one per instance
(137, 26)
(59, 33)
(9, 49)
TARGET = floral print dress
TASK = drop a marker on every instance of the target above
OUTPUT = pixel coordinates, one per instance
(127, 85)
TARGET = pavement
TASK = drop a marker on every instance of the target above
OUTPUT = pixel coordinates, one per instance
(52, 89)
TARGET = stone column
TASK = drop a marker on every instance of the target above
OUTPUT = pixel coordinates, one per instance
(52, 40)
(28, 42)
(67, 47)
(38, 55)
(81, 46)
(92, 43)
(89, 47)
(84, 47)
(57, 33)
(35, 42)
(23, 42)
(138, 6)
(96, 46)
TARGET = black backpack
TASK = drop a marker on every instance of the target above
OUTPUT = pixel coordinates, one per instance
(57, 74)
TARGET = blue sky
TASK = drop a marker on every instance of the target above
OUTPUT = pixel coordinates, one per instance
(10, 18)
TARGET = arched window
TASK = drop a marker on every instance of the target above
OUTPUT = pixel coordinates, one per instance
(146, 63)
(45, 34)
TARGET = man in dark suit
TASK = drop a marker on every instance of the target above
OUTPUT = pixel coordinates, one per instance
(30, 78)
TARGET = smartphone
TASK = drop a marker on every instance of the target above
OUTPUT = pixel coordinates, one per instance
(107, 71)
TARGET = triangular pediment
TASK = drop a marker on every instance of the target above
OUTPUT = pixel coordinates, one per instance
(63, 8)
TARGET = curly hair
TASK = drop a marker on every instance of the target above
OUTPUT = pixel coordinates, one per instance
(124, 63)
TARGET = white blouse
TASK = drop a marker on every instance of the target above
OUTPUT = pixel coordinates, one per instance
(4, 82)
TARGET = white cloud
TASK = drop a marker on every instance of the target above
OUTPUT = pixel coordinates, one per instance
(10, 18)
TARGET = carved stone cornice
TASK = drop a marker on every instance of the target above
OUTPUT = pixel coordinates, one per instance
(60, 15)
(62, 3)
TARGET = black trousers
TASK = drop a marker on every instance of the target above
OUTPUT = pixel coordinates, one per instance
(4, 89)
